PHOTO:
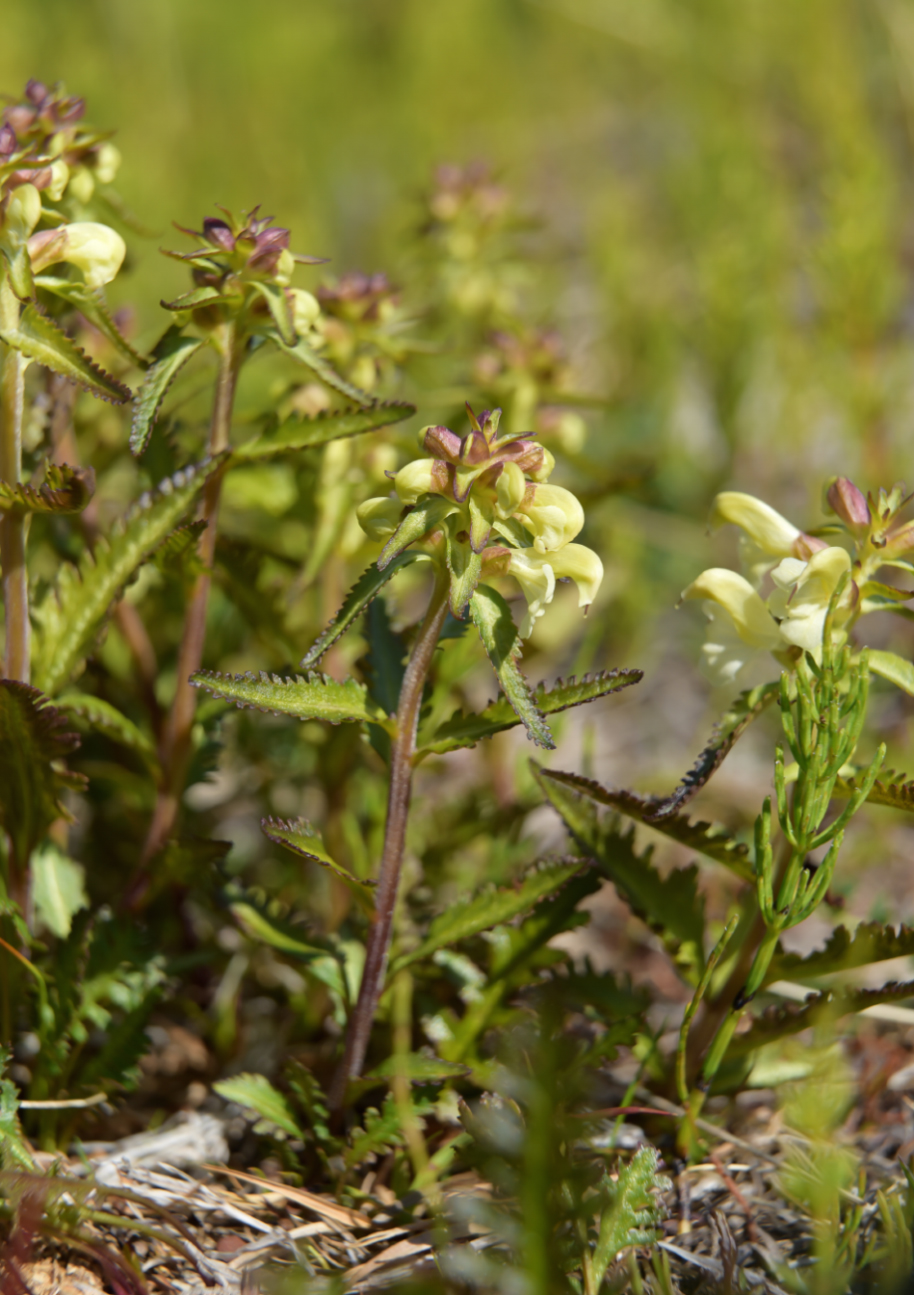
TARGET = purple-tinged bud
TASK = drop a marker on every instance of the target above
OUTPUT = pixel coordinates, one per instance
(847, 501)
(36, 92)
(804, 546)
(528, 456)
(442, 443)
(70, 110)
(8, 141)
(268, 248)
(40, 177)
(218, 233)
(474, 448)
(19, 118)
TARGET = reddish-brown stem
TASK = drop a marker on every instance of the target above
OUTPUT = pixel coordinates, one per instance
(175, 745)
(402, 750)
(13, 524)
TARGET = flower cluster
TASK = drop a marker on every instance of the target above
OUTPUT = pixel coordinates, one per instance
(805, 572)
(495, 507)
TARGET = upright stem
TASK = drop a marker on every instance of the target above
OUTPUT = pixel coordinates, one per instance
(175, 745)
(13, 525)
(403, 748)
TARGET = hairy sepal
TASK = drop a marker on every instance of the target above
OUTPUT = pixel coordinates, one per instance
(334, 425)
(492, 618)
(39, 338)
(466, 730)
(315, 696)
(169, 357)
(360, 596)
(72, 614)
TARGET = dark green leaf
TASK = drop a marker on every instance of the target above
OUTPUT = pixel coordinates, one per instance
(65, 490)
(257, 1094)
(38, 337)
(747, 707)
(427, 513)
(314, 697)
(466, 730)
(492, 617)
(778, 1022)
(93, 307)
(710, 839)
(670, 905)
(869, 942)
(71, 616)
(333, 425)
(491, 908)
(179, 552)
(14, 1150)
(172, 352)
(300, 837)
(94, 714)
(385, 664)
(415, 1066)
(362, 593)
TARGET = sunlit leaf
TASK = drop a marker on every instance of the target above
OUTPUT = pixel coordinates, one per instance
(315, 697)
(169, 356)
(363, 592)
(64, 490)
(58, 889)
(710, 839)
(73, 612)
(304, 353)
(257, 1094)
(492, 617)
(93, 307)
(278, 305)
(332, 425)
(891, 790)
(466, 730)
(867, 943)
(778, 1022)
(38, 337)
(415, 1066)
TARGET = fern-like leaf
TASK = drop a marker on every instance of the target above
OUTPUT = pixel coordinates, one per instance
(869, 942)
(316, 696)
(891, 789)
(93, 714)
(492, 618)
(778, 1022)
(466, 730)
(72, 614)
(38, 337)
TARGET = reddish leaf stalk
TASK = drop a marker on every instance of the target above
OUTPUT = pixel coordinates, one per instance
(12, 524)
(403, 749)
(176, 738)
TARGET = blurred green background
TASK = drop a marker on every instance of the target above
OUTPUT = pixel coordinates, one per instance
(724, 193)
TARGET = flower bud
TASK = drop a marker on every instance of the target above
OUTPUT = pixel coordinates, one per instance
(23, 211)
(509, 490)
(421, 477)
(305, 310)
(284, 268)
(82, 184)
(554, 516)
(544, 472)
(735, 595)
(847, 501)
(379, 518)
(60, 176)
(771, 532)
(107, 162)
(441, 442)
(95, 249)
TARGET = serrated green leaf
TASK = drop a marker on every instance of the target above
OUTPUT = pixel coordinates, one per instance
(631, 1211)
(276, 935)
(58, 889)
(492, 618)
(890, 666)
(179, 552)
(256, 1093)
(778, 1023)
(333, 425)
(314, 697)
(93, 307)
(870, 942)
(278, 306)
(415, 1066)
(491, 908)
(304, 353)
(465, 568)
(885, 593)
(710, 839)
(670, 905)
(427, 513)
(300, 837)
(64, 490)
(38, 337)
(466, 730)
(71, 615)
(34, 739)
(890, 790)
(363, 592)
(747, 707)
(94, 714)
(170, 355)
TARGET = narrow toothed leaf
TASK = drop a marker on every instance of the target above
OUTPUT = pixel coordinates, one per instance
(314, 697)
(747, 707)
(72, 614)
(779, 1022)
(65, 490)
(489, 909)
(334, 425)
(362, 593)
(172, 352)
(492, 618)
(466, 730)
(195, 298)
(300, 837)
(93, 307)
(305, 353)
(867, 943)
(891, 790)
(93, 714)
(894, 668)
(465, 567)
(41, 340)
(278, 306)
(428, 512)
(708, 838)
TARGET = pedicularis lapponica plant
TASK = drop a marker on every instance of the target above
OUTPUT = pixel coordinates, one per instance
(251, 460)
